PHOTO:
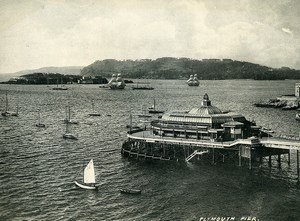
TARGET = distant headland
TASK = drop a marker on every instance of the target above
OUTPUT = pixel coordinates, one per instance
(163, 68)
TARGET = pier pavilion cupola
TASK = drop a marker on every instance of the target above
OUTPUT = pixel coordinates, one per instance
(206, 108)
(206, 101)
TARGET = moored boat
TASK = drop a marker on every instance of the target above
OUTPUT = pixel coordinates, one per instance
(8, 113)
(142, 86)
(94, 113)
(298, 115)
(143, 113)
(153, 110)
(68, 116)
(130, 191)
(61, 88)
(68, 134)
(39, 124)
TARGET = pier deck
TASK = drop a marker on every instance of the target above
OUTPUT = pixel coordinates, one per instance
(143, 144)
(271, 142)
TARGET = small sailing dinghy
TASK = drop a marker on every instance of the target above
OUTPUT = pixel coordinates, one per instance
(39, 124)
(68, 134)
(94, 113)
(89, 179)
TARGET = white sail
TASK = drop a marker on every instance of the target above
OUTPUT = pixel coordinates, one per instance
(89, 173)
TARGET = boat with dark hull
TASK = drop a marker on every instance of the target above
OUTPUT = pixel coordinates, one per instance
(68, 117)
(94, 113)
(61, 88)
(8, 113)
(130, 191)
(153, 110)
(142, 86)
(68, 134)
(39, 124)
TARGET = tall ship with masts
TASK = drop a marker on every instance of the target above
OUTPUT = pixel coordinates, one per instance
(193, 81)
(116, 82)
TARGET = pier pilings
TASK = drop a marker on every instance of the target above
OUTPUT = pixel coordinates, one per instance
(179, 150)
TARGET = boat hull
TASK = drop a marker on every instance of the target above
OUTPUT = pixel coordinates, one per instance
(40, 125)
(8, 113)
(142, 88)
(155, 112)
(83, 186)
(94, 114)
(130, 191)
(60, 88)
(69, 136)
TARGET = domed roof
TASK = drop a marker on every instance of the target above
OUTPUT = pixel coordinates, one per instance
(206, 108)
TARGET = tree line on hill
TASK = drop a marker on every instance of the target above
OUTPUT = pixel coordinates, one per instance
(55, 78)
(182, 68)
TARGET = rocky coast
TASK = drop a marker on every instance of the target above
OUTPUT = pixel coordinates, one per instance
(286, 102)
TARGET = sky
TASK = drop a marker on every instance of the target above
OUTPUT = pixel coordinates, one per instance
(41, 33)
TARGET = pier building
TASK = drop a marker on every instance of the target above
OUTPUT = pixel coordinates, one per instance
(206, 122)
(207, 133)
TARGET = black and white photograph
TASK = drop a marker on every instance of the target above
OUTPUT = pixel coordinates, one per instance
(150, 110)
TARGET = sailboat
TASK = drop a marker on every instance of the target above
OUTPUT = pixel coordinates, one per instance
(68, 134)
(94, 113)
(152, 109)
(59, 88)
(39, 124)
(89, 179)
(68, 116)
(130, 126)
(7, 113)
(143, 113)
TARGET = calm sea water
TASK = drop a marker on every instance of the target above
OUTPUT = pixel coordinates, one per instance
(38, 167)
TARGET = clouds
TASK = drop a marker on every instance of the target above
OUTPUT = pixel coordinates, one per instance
(58, 33)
